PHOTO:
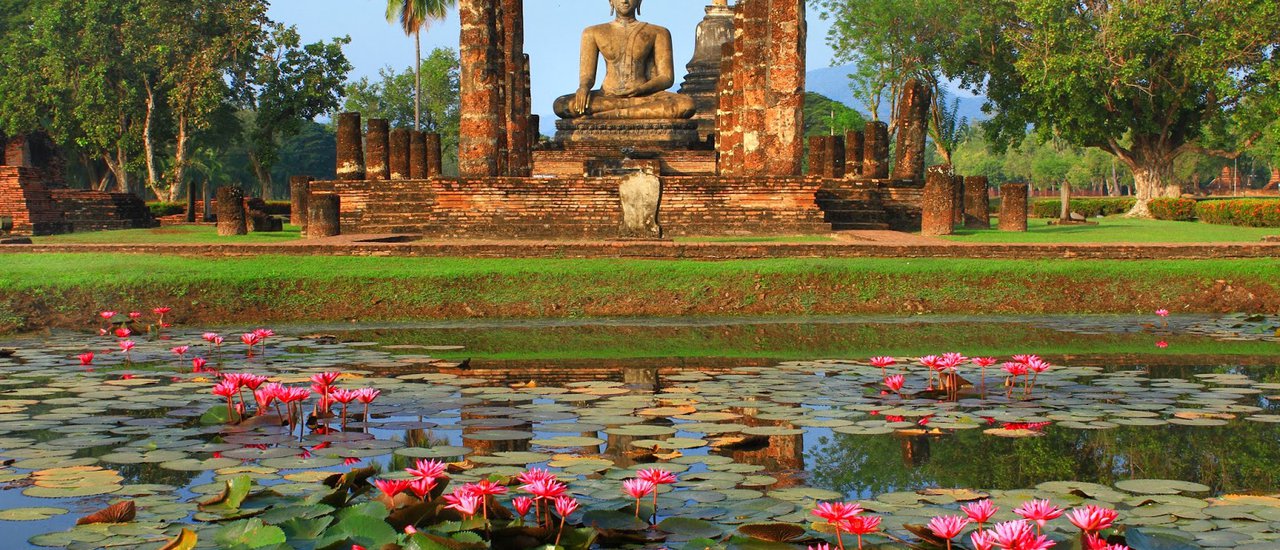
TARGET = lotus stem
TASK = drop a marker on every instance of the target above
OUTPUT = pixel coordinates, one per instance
(559, 532)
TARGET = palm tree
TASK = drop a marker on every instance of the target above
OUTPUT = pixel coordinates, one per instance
(414, 16)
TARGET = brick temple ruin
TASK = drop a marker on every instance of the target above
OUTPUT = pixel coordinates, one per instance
(35, 200)
(736, 167)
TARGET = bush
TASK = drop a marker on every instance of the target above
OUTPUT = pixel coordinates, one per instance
(1089, 208)
(1181, 210)
(1244, 212)
(161, 209)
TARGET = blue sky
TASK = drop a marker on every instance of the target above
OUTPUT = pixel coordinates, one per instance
(552, 30)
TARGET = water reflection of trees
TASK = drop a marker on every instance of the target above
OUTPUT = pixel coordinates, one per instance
(1235, 458)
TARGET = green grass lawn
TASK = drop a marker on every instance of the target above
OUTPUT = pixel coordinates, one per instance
(780, 239)
(1117, 229)
(180, 234)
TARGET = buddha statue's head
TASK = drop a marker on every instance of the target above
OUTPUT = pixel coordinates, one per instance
(627, 8)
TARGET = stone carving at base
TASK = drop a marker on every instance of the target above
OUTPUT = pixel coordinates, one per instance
(640, 194)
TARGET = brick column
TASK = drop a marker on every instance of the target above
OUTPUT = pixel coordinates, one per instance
(324, 212)
(398, 149)
(977, 204)
(378, 163)
(431, 145)
(913, 130)
(817, 154)
(231, 215)
(853, 152)
(875, 156)
(350, 147)
(957, 201)
(478, 143)
(784, 91)
(726, 113)
(299, 187)
(518, 105)
(937, 203)
(750, 63)
(417, 155)
(1013, 207)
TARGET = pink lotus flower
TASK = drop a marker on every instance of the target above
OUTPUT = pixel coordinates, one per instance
(984, 362)
(982, 540)
(392, 487)
(931, 361)
(1162, 312)
(1092, 519)
(1015, 369)
(263, 397)
(1038, 511)
(421, 487)
(837, 514)
(107, 315)
(252, 381)
(950, 361)
(227, 388)
(367, 395)
(638, 489)
(181, 351)
(545, 489)
(895, 383)
(343, 395)
(198, 364)
(862, 525)
(123, 332)
(325, 379)
(534, 474)
(1037, 365)
(947, 527)
(466, 504)
(1094, 542)
(1162, 344)
(486, 488)
(883, 363)
(249, 339)
(980, 512)
(127, 346)
(1012, 534)
(264, 333)
(820, 546)
(135, 315)
(657, 476)
(103, 332)
(209, 336)
(161, 311)
(522, 505)
(427, 469)
(86, 358)
(566, 505)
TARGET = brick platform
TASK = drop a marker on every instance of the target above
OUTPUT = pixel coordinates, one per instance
(38, 208)
(579, 207)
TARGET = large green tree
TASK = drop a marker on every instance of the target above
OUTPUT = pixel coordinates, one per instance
(391, 96)
(414, 16)
(1146, 81)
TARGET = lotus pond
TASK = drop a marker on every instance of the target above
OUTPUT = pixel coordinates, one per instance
(1174, 424)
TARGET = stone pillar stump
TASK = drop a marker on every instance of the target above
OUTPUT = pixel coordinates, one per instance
(1013, 207)
(323, 216)
(398, 152)
(957, 203)
(299, 187)
(938, 203)
(854, 144)
(977, 203)
(434, 163)
(231, 214)
(875, 156)
(417, 156)
(378, 162)
(350, 148)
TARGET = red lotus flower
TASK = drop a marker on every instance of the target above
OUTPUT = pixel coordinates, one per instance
(1015, 369)
(522, 505)
(837, 514)
(392, 487)
(107, 315)
(657, 476)
(1092, 519)
(433, 469)
(1162, 344)
(249, 339)
(225, 388)
(421, 487)
(135, 315)
(86, 358)
(895, 383)
(325, 379)
(123, 332)
(980, 512)
(1094, 542)
(947, 527)
(162, 310)
(263, 333)
(367, 395)
(181, 351)
(862, 525)
(1038, 511)
(198, 364)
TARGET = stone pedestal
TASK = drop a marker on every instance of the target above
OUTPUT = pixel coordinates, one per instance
(298, 190)
(826, 156)
(398, 150)
(434, 165)
(937, 205)
(323, 216)
(417, 156)
(703, 75)
(377, 160)
(875, 157)
(854, 147)
(977, 203)
(957, 201)
(646, 134)
(231, 214)
(640, 194)
(1013, 207)
(350, 148)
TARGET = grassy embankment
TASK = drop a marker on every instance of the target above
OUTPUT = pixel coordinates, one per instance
(1116, 229)
(65, 289)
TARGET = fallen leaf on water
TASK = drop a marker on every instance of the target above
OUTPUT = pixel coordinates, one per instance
(120, 512)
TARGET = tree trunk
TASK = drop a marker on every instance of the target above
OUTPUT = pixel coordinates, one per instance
(117, 164)
(1065, 214)
(179, 161)
(264, 175)
(417, 80)
(1149, 182)
(147, 143)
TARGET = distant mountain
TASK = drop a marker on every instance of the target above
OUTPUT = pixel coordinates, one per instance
(833, 82)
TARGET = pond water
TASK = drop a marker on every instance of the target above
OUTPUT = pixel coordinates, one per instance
(758, 417)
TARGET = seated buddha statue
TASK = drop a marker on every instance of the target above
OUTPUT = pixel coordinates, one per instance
(638, 72)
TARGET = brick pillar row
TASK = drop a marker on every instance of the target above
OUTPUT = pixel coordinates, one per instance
(853, 151)
(913, 130)
(398, 150)
(875, 158)
(479, 129)
(784, 88)
(938, 202)
(377, 144)
(1013, 207)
